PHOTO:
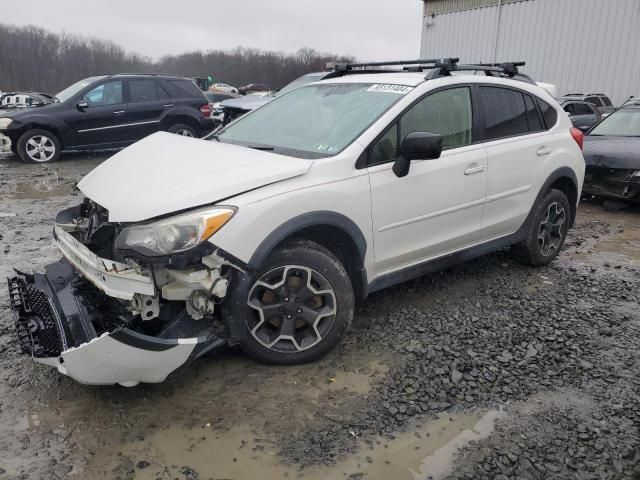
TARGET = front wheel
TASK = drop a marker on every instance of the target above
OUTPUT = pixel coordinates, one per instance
(38, 146)
(548, 229)
(298, 305)
(183, 130)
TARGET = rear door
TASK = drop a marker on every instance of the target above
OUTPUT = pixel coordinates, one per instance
(103, 121)
(147, 103)
(516, 146)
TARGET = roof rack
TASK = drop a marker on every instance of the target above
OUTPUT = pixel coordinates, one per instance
(440, 67)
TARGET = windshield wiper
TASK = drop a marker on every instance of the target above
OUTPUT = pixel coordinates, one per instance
(260, 147)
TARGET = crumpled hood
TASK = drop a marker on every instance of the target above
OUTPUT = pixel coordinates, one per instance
(166, 173)
(612, 152)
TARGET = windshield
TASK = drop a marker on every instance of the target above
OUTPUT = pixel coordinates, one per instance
(623, 123)
(297, 83)
(69, 92)
(314, 121)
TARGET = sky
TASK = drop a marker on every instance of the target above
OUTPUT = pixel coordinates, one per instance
(366, 29)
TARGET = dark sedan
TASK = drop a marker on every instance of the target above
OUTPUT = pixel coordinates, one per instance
(612, 154)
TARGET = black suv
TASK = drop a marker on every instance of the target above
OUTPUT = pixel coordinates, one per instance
(106, 112)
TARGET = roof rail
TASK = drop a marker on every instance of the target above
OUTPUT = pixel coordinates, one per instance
(439, 67)
(149, 75)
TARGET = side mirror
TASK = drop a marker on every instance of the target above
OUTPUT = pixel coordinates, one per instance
(82, 105)
(417, 146)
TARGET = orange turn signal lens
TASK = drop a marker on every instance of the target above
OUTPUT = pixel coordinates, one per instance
(215, 223)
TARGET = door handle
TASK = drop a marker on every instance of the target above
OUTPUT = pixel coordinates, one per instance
(119, 112)
(168, 105)
(475, 169)
(542, 151)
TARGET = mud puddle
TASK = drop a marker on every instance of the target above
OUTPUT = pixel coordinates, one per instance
(241, 453)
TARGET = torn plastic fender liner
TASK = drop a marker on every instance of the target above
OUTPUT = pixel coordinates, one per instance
(55, 315)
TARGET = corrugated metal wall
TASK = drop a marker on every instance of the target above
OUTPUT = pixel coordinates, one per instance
(579, 45)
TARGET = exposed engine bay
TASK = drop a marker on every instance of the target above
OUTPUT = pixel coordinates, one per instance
(100, 305)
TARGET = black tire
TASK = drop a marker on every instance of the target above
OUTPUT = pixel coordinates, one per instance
(184, 130)
(294, 263)
(38, 146)
(546, 234)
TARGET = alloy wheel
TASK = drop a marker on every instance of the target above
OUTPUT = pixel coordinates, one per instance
(551, 232)
(184, 132)
(294, 309)
(40, 148)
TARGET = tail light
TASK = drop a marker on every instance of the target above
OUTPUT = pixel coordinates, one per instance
(205, 110)
(578, 136)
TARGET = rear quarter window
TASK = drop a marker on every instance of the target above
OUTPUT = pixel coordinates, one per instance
(549, 113)
(185, 88)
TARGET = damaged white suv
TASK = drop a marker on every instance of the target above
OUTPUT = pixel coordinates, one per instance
(268, 233)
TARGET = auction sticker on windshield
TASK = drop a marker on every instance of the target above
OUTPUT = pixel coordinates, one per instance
(399, 89)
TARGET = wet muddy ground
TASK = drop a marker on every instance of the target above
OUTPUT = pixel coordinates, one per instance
(486, 370)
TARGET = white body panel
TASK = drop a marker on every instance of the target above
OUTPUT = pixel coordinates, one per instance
(166, 173)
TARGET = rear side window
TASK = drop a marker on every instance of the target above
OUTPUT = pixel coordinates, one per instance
(186, 88)
(142, 90)
(504, 111)
(549, 113)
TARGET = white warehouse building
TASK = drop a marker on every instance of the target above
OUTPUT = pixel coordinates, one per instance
(581, 46)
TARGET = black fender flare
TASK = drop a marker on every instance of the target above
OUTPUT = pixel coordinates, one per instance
(235, 302)
(322, 217)
(562, 172)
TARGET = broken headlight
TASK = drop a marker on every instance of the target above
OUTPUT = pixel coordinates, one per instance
(174, 234)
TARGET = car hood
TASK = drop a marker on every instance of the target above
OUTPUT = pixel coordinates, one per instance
(17, 113)
(249, 102)
(166, 173)
(612, 152)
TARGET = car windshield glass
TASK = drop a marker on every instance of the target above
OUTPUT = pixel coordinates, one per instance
(314, 121)
(623, 123)
(300, 82)
(70, 91)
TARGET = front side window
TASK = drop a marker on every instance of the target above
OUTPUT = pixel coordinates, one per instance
(386, 148)
(109, 93)
(582, 109)
(74, 89)
(314, 121)
(504, 111)
(607, 102)
(447, 113)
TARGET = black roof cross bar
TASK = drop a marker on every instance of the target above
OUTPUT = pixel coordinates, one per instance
(420, 63)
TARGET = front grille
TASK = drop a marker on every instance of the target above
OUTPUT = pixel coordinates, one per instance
(37, 320)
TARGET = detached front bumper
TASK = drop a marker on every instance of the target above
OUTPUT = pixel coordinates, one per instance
(618, 183)
(60, 320)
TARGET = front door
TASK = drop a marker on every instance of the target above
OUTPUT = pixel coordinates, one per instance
(437, 208)
(103, 121)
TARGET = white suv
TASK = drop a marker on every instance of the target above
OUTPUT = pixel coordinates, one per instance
(268, 233)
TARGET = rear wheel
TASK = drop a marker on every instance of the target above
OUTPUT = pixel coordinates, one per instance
(548, 229)
(38, 146)
(183, 130)
(298, 306)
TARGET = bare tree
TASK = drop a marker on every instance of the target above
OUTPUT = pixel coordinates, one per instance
(32, 58)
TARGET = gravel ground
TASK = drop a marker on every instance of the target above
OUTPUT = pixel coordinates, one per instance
(555, 349)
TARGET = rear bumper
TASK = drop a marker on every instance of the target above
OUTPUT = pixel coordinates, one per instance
(621, 184)
(60, 321)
